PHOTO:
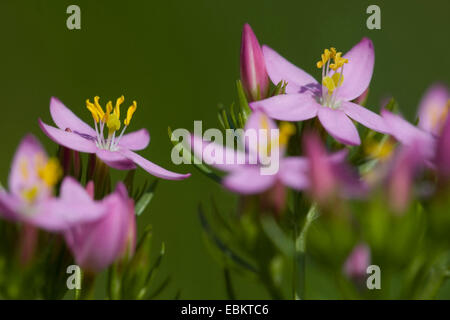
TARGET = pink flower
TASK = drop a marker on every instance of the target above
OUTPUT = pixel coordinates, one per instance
(434, 108)
(404, 167)
(410, 135)
(246, 167)
(31, 199)
(355, 266)
(116, 149)
(253, 69)
(343, 80)
(97, 244)
(329, 176)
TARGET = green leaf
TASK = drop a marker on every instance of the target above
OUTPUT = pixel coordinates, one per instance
(246, 111)
(145, 199)
(277, 235)
(160, 288)
(225, 250)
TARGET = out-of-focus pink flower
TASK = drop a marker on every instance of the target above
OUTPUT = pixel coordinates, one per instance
(329, 175)
(355, 266)
(443, 151)
(253, 69)
(31, 199)
(97, 244)
(246, 166)
(343, 80)
(410, 135)
(434, 108)
(403, 169)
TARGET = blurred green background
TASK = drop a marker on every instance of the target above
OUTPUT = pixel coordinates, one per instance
(179, 59)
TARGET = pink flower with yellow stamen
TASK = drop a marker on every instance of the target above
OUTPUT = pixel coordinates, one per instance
(344, 78)
(113, 147)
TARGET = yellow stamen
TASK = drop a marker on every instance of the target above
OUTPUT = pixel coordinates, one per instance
(287, 129)
(99, 109)
(51, 172)
(329, 83)
(119, 101)
(30, 194)
(93, 110)
(377, 150)
(113, 122)
(333, 52)
(338, 78)
(131, 110)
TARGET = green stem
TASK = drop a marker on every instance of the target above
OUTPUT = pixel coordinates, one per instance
(299, 278)
(228, 284)
(87, 287)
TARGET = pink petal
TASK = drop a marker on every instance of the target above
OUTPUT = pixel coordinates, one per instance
(136, 140)
(152, 168)
(213, 154)
(248, 180)
(255, 139)
(279, 69)
(404, 131)
(339, 126)
(25, 155)
(64, 118)
(364, 116)
(432, 108)
(68, 139)
(98, 244)
(293, 172)
(74, 207)
(253, 70)
(115, 159)
(288, 107)
(358, 71)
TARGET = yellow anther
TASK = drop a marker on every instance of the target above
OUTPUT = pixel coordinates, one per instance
(381, 151)
(329, 83)
(30, 194)
(325, 56)
(333, 52)
(287, 129)
(91, 107)
(338, 61)
(338, 78)
(51, 172)
(100, 111)
(131, 110)
(119, 101)
(109, 109)
(113, 122)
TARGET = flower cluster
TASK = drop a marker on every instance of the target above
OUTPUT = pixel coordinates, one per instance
(49, 203)
(348, 195)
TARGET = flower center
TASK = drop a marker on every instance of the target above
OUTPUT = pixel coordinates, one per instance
(331, 62)
(110, 119)
(48, 172)
(287, 129)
